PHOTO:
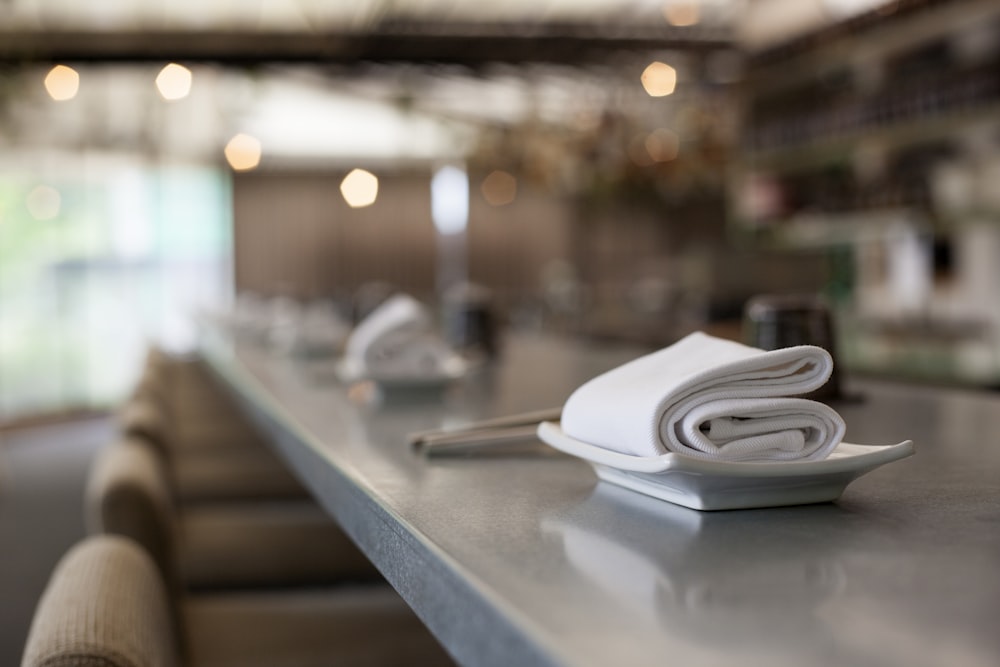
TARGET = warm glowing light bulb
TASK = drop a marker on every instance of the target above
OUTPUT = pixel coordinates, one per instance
(659, 79)
(243, 152)
(499, 188)
(174, 82)
(359, 188)
(682, 12)
(43, 202)
(62, 83)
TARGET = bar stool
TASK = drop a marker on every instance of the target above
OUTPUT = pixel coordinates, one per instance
(106, 604)
(216, 545)
(211, 450)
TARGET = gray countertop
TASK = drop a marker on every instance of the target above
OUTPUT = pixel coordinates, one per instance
(523, 558)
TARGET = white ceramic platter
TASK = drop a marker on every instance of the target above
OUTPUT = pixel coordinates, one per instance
(723, 485)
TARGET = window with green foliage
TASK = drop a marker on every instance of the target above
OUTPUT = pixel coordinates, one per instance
(99, 257)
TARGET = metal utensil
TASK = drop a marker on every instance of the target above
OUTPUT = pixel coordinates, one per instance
(485, 433)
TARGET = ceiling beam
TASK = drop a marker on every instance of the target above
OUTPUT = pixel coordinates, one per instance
(462, 44)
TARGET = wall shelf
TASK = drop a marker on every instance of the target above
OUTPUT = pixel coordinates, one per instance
(858, 117)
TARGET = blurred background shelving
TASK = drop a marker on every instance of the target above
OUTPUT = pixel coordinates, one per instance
(846, 147)
(877, 141)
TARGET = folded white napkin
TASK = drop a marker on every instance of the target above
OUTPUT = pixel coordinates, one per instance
(711, 399)
(397, 339)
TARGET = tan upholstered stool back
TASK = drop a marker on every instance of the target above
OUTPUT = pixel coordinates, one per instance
(105, 606)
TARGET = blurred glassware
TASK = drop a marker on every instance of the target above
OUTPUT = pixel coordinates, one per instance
(282, 321)
(773, 321)
(249, 315)
(321, 332)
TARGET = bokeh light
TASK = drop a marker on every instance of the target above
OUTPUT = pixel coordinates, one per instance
(659, 79)
(243, 152)
(62, 83)
(499, 188)
(359, 188)
(637, 151)
(682, 12)
(662, 145)
(174, 82)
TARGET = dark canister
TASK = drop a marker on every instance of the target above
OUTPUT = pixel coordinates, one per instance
(773, 321)
(470, 322)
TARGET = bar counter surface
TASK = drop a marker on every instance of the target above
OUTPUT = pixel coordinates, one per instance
(523, 558)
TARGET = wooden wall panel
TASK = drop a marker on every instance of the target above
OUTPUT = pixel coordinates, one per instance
(510, 245)
(281, 231)
(294, 234)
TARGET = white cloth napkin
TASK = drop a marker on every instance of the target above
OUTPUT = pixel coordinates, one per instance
(711, 399)
(397, 339)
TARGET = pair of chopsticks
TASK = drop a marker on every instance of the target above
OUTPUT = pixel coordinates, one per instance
(486, 433)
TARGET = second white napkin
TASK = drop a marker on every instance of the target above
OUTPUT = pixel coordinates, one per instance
(398, 340)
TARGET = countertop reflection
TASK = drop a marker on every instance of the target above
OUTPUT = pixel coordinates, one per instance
(524, 558)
